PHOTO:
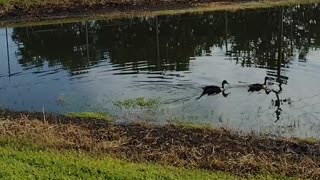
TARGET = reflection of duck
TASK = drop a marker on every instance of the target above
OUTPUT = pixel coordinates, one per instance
(278, 102)
(214, 90)
(257, 86)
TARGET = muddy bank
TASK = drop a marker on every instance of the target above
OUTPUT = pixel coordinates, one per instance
(16, 12)
(20, 11)
(204, 148)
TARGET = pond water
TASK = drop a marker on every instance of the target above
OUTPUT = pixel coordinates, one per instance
(88, 66)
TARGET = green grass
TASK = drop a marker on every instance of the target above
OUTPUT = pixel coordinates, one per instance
(310, 140)
(188, 124)
(39, 150)
(33, 163)
(140, 102)
(91, 115)
(26, 161)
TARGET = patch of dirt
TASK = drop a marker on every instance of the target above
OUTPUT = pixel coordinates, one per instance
(204, 148)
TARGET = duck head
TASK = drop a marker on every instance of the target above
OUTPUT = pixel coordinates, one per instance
(224, 82)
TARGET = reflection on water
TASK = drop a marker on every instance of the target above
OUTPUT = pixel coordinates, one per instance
(86, 66)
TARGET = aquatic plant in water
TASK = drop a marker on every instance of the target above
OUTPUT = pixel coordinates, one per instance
(188, 124)
(140, 102)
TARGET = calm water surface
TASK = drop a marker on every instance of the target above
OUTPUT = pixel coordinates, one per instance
(87, 66)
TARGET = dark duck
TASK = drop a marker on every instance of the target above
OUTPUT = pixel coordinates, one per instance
(214, 90)
(257, 86)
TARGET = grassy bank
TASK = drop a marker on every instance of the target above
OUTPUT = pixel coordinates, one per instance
(205, 150)
(17, 12)
(20, 160)
(32, 162)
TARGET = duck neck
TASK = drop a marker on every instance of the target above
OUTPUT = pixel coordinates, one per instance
(265, 81)
(225, 94)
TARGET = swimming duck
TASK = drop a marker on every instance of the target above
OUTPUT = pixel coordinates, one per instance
(214, 90)
(257, 86)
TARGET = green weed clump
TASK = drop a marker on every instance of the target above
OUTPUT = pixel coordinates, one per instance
(140, 102)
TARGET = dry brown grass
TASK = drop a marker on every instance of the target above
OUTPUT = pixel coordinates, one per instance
(211, 149)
